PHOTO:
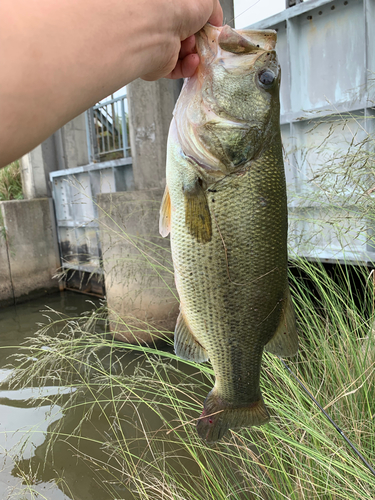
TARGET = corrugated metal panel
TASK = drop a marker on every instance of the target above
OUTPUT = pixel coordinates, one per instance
(74, 193)
(327, 59)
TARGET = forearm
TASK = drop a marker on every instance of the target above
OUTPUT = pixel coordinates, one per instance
(59, 57)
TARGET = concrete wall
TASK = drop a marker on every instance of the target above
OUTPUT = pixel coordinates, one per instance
(6, 287)
(28, 250)
(66, 148)
(151, 106)
(138, 267)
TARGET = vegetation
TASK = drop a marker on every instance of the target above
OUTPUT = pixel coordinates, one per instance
(10, 182)
(148, 405)
(141, 404)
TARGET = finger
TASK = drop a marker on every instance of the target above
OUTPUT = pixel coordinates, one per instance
(185, 68)
(187, 47)
(217, 15)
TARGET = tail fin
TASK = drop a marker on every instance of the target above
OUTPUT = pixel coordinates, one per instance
(217, 417)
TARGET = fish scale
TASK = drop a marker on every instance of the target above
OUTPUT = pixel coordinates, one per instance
(228, 223)
(217, 280)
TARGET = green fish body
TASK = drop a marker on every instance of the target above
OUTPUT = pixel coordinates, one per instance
(226, 210)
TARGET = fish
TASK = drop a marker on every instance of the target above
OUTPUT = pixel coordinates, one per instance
(225, 208)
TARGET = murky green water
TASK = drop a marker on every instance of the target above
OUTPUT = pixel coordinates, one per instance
(19, 419)
(65, 470)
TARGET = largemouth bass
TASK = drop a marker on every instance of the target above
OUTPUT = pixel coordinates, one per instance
(226, 210)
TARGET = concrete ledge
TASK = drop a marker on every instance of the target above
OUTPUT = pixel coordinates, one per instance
(28, 250)
(139, 279)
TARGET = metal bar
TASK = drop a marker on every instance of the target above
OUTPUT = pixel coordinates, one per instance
(111, 151)
(91, 166)
(114, 123)
(346, 107)
(110, 101)
(88, 138)
(282, 16)
(124, 128)
(106, 120)
(99, 136)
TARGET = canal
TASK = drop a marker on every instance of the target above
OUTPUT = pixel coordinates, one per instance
(79, 432)
(24, 426)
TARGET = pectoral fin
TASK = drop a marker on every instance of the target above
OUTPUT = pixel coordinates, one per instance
(165, 214)
(186, 345)
(285, 341)
(197, 213)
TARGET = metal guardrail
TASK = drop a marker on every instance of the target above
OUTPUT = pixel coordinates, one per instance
(107, 127)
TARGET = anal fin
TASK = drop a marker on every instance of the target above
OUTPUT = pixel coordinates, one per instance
(165, 214)
(185, 344)
(285, 341)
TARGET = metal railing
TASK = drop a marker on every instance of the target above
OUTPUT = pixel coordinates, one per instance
(107, 127)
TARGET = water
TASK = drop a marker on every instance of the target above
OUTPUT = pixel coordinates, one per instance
(29, 468)
(20, 460)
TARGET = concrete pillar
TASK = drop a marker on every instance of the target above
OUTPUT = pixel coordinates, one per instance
(228, 11)
(34, 179)
(151, 106)
(71, 144)
(141, 294)
(35, 169)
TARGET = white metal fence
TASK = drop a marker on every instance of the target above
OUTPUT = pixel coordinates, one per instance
(107, 126)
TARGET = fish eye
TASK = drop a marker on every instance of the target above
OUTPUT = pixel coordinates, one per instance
(266, 78)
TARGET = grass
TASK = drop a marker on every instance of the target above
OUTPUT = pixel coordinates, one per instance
(10, 182)
(130, 412)
(148, 404)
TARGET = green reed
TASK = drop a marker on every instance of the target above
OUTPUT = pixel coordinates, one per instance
(150, 402)
(144, 402)
(10, 182)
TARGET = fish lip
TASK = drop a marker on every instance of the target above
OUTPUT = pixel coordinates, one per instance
(237, 41)
(223, 45)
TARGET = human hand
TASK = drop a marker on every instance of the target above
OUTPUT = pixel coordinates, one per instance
(193, 15)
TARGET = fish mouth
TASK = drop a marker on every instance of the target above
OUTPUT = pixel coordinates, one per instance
(246, 41)
(212, 40)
